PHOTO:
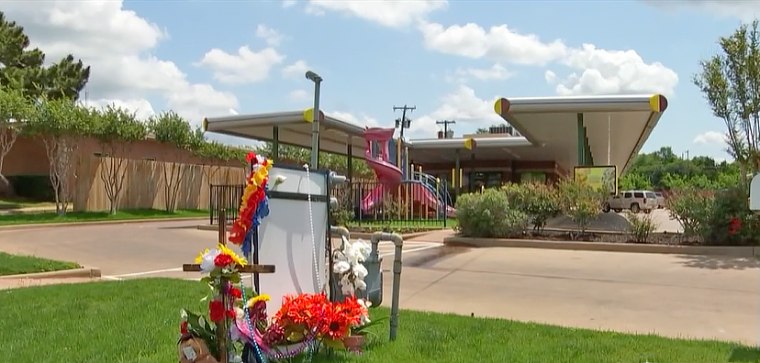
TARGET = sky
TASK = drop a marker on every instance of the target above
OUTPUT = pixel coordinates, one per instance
(450, 59)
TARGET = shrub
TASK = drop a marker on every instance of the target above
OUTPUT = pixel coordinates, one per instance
(694, 209)
(539, 201)
(642, 226)
(731, 222)
(579, 202)
(489, 214)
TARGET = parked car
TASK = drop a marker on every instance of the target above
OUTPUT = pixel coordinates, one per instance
(633, 200)
(660, 200)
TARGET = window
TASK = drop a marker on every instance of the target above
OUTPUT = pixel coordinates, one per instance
(651, 195)
(638, 195)
(627, 195)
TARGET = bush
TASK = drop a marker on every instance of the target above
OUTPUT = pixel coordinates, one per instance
(694, 209)
(489, 214)
(731, 222)
(539, 201)
(33, 187)
(579, 202)
(641, 227)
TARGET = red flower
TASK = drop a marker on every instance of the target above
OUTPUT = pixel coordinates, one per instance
(231, 314)
(216, 310)
(236, 293)
(223, 259)
(734, 226)
(183, 327)
(251, 158)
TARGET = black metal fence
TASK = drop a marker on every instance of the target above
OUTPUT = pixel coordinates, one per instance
(409, 204)
(227, 198)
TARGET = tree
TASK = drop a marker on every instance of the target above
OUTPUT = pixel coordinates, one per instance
(116, 129)
(730, 81)
(23, 69)
(60, 124)
(170, 128)
(15, 110)
(213, 154)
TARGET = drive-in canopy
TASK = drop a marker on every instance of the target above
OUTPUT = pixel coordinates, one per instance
(587, 130)
(292, 128)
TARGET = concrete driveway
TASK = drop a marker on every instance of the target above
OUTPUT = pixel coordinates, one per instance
(692, 296)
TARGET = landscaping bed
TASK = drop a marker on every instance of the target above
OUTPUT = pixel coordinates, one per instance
(17, 264)
(610, 237)
(109, 322)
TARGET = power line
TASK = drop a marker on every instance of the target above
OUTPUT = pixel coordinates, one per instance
(445, 124)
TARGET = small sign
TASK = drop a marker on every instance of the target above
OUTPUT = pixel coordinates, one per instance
(189, 353)
(754, 193)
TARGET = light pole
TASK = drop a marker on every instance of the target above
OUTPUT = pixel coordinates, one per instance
(315, 120)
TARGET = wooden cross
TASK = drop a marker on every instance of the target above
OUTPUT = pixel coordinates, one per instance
(253, 267)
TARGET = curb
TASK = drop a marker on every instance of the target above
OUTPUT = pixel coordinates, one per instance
(94, 223)
(604, 246)
(362, 235)
(84, 272)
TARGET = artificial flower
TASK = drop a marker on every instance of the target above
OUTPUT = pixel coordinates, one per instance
(341, 267)
(206, 259)
(223, 260)
(235, 292)
(216, 310)
(183, 327)
(360, 271)
(226, 250)
(257, 298)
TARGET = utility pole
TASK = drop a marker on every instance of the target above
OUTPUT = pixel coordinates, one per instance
(404, 124)
(445, 124)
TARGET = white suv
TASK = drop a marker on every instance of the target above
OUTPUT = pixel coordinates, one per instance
(635, 200)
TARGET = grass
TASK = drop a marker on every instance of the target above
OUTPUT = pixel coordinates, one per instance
(15, 264)
(402, 226)
(137, 321)
(35, 218)
(16, 203)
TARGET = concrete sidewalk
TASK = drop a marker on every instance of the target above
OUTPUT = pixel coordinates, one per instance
(23, 282)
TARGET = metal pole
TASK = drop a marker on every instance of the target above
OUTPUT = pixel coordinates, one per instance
(315, 120)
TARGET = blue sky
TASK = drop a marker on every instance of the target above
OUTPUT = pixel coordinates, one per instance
(449, 59)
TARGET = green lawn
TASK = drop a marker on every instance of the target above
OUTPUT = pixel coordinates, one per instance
(402, 226)
(137, 321)
(16, 203)
(32, 218)
(16, 264)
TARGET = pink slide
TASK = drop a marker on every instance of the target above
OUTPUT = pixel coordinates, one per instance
(389, 175)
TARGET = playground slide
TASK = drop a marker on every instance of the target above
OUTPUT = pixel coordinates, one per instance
(390, 176)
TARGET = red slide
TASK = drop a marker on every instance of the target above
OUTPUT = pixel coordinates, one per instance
(389, 175)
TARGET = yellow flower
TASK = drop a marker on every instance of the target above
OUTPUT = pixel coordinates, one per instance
(226, 250)
(199, 258)
(252, 301)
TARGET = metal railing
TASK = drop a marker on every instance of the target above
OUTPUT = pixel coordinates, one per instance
(225, 197)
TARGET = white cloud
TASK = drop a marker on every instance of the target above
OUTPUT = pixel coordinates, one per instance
(744, 10)
(116, 43)
(296, 70)
(246, 66)
(497, 72)
(463, 106)
(710, 137)
(614, 72)
(271, 36)
(593, 70)
(386, 13)
(498, 43)
(299, 95)
(363, 120)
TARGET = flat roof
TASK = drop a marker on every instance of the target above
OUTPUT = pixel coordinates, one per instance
(294, 128)
(616, 128)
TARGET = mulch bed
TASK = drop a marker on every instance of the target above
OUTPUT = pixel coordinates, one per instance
(621, 237)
